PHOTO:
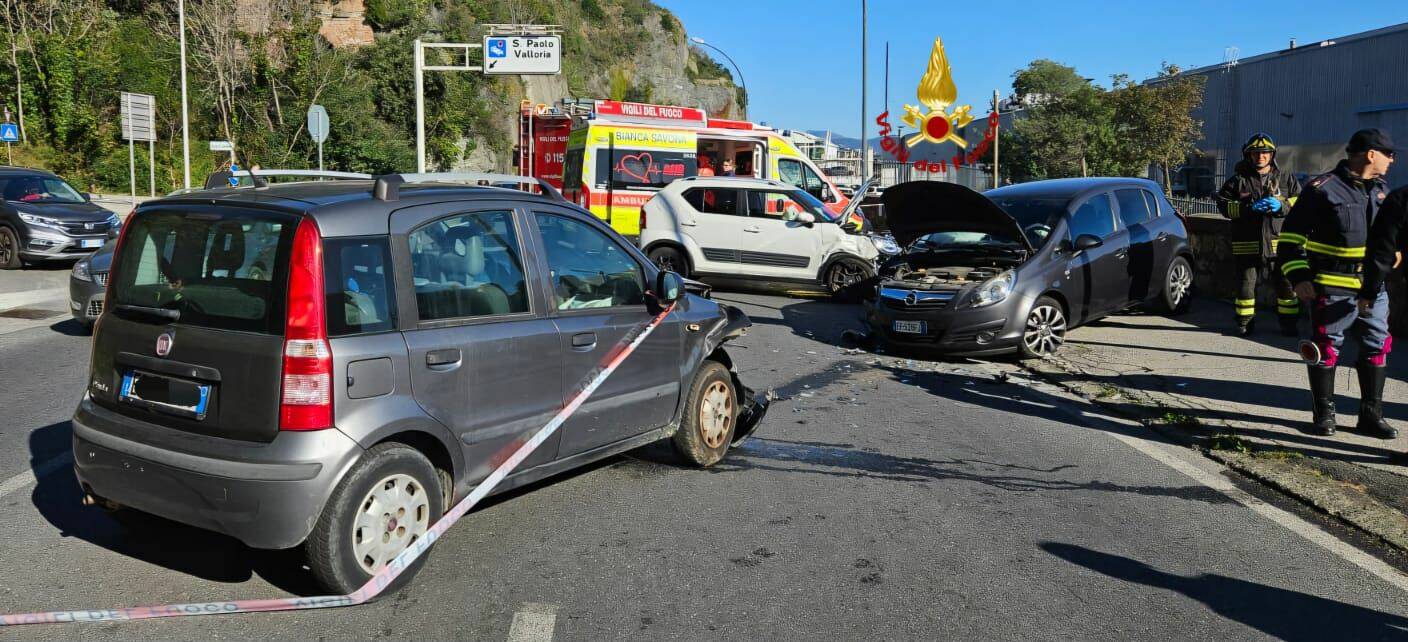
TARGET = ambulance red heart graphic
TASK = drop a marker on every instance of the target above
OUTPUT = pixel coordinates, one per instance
(637, 166)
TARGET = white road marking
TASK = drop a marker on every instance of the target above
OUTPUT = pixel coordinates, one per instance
(30, 476)
(1291, 522)
(534, 623)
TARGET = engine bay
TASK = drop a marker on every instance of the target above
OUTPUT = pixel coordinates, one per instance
(923, 272)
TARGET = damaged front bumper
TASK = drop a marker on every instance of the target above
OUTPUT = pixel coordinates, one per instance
(755, 405)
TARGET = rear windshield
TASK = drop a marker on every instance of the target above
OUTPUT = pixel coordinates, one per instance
(219, 269)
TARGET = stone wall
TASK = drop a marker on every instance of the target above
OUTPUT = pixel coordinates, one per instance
(1215, 271)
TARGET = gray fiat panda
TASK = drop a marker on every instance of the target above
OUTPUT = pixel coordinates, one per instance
(333, 364)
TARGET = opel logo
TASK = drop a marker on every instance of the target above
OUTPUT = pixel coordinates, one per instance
(163, 344)
(911, 298)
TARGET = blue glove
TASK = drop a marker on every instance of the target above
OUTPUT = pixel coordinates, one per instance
(1267, 205)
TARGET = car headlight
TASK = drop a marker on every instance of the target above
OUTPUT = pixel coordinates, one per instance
(80, 271)
(34, 219)
(885, 244)
(994, 290)
(113, 221)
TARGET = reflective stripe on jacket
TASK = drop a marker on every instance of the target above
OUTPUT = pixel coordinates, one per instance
(1325, 233)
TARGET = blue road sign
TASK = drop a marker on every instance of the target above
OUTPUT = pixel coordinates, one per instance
(9, 133)
(498, 48)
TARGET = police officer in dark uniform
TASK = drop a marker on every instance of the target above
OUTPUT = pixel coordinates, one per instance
(1257, 198)
(1322, 252)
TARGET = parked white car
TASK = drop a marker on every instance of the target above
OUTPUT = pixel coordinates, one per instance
(724, 228)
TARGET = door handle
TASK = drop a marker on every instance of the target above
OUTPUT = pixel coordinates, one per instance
(688, 222)
(753, 229)
(584, 341)
(446, 359)
(1163, 237)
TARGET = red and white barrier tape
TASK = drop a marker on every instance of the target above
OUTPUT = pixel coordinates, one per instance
(391, 571)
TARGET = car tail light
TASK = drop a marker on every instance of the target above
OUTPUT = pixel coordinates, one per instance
(306, 402)
(642, 218)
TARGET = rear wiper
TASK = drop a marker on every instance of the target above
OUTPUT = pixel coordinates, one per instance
(163, 313)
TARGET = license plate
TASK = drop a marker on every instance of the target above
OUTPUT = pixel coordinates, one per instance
(909, 327)
(165, 394)
(87, 243)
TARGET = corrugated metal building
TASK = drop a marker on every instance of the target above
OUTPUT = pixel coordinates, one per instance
(1310, 98)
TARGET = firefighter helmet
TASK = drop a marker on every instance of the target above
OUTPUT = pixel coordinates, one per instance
(1259, 142)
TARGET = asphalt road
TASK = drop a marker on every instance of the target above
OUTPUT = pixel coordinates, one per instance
(883, 498)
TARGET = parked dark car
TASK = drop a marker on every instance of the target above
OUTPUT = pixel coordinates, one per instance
(88, 284)
(335, 364)
(43, 218)
(1015, 268)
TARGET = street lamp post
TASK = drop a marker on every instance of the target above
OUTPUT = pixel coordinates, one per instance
(743, 83)
(864, 144)
(185, 117)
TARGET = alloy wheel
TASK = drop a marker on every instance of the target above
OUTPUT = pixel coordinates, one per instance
(715, 413)
(666, 262)
(390, 518)
(1180, 281)
(1045, 331)
(7, 246)
(844, 275)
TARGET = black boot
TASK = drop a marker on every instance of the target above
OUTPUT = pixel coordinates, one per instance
(1371, 402)
(1322, 393)
(1289, 327)
(1246, 326)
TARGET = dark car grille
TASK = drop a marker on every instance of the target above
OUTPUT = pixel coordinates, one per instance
(95, 308)
(915, 300)
(80, 229)
(101, 278)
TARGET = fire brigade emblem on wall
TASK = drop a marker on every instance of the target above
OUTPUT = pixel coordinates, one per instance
(937, 92)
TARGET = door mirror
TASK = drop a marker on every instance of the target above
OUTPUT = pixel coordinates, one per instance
(851, 227)
(669, 287)
(805, 218)
(826, 194)
(1086, 242)
(89, 197)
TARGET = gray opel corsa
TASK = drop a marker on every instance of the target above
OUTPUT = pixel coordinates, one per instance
(334, 364)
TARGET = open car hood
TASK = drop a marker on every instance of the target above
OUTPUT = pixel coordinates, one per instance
(918, 208)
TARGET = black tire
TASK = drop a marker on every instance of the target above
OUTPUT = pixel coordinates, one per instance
(702, 444)
(1176, 296)
(9, 249)
(670, 258)
(845, 279)
(330, 547)
(1034, 344)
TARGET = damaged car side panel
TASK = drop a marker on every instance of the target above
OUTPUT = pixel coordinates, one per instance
(708, 325)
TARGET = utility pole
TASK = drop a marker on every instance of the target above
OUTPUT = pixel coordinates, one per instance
(995, 141)
(864, 145)
(419, 63)
(185, 109)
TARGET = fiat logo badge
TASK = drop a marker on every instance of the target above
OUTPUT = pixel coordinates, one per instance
(163, 344)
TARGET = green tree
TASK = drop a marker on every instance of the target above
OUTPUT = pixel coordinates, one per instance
(1155, 119)
(1067, 129)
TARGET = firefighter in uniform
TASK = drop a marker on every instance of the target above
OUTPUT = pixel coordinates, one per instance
(1388, 240)
(1322, 252)
(1257, 198)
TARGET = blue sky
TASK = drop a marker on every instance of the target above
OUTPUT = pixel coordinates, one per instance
(801, 58)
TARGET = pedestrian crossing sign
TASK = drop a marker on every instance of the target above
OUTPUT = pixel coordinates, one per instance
(9, 133)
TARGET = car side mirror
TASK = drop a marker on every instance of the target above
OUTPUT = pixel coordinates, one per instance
(1086, 242)
(88, 197)
(805, 218)
(850, 227)
(669, 287)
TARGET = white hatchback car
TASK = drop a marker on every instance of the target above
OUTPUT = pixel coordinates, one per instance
(756, 230)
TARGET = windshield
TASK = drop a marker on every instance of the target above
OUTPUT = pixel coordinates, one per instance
(39, 189)
(219, 270)
(1036, 216)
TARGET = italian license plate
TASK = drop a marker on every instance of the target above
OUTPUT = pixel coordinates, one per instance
(165, 394)
(87, 243)
(909, 327)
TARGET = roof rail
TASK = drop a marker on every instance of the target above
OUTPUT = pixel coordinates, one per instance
(388, 186)
(222, 177)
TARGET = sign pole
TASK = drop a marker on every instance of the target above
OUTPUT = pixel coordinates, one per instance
(419, 63)
(995, 143)
(320, 156)
(151, 163)
(132, 168)
(185, 111)
(9, 158)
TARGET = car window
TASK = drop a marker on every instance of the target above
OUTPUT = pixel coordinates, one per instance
(358, 286)
(778, 205)
(1153, 202)
(217, 269)
(712, 200)
(587, 267)
(790, 171)
(38, 189)
(1094, 217)
(468, 266)
(814, 185)
(1134, 208)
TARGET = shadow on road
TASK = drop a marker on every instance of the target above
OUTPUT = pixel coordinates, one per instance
(71, 328)
(1277, 612)
(154, 540)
